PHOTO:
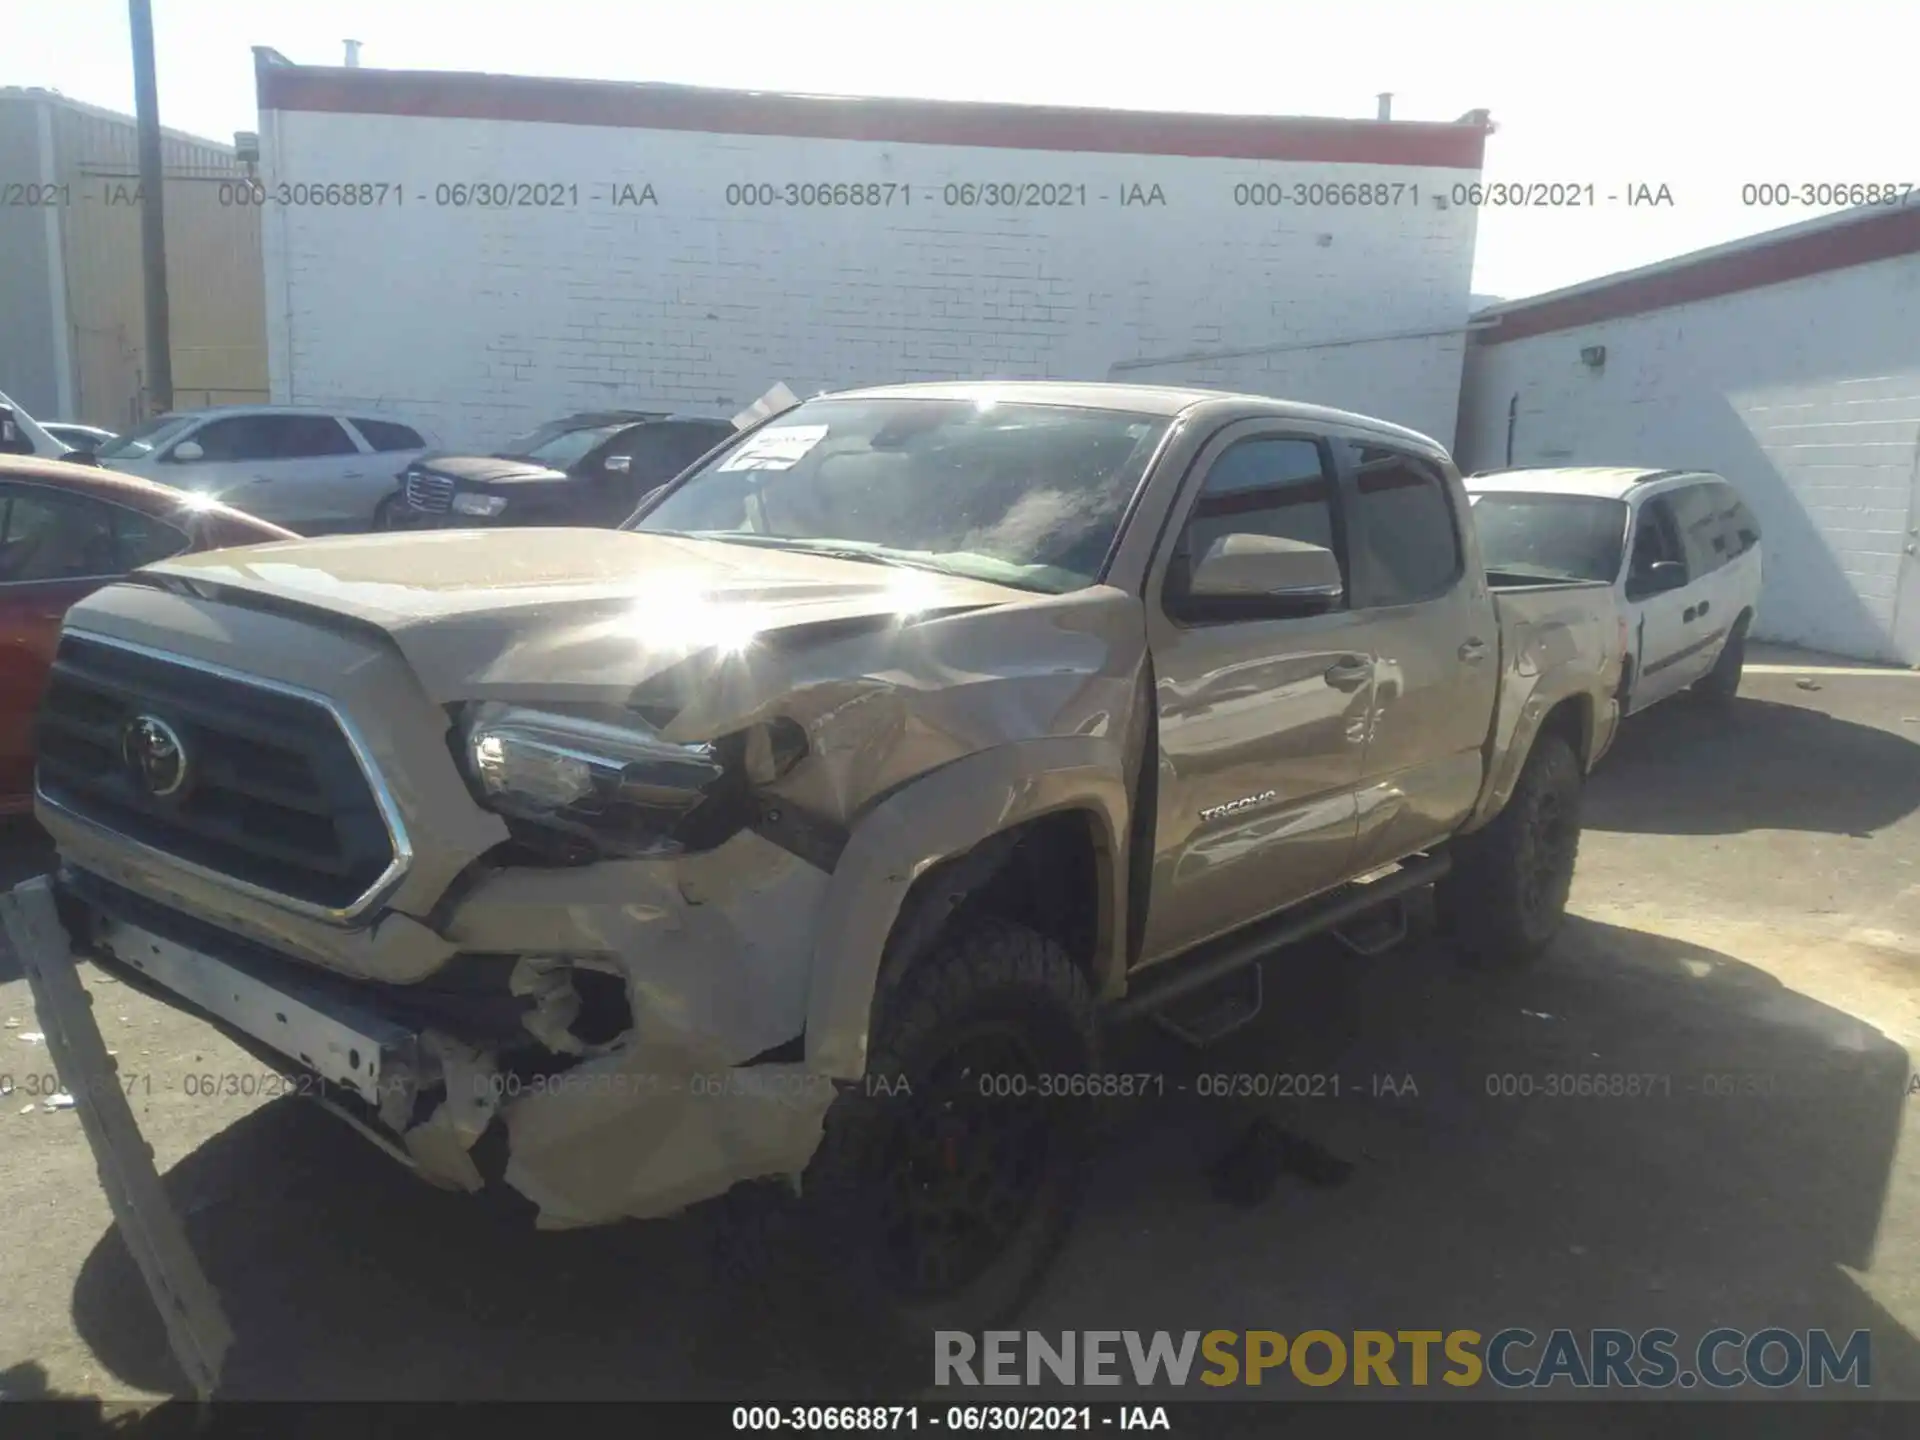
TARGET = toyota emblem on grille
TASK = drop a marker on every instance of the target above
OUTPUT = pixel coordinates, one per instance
(154, 755)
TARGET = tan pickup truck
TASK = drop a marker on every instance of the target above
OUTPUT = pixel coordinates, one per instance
(811, 826)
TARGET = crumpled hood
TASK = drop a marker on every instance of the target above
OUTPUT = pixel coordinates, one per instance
(575, 614)
(488, 469)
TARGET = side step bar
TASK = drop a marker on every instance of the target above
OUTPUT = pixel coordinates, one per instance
(1207, 963)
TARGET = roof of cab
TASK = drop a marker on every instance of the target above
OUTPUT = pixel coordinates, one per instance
(1601, 482)
(1165, 400)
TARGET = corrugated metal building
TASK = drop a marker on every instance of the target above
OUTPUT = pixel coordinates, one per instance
(72, 315)
(1789, 362)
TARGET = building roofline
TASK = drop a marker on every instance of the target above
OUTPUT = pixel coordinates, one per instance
(1459, 145)
(67, 102)
(1826, 243)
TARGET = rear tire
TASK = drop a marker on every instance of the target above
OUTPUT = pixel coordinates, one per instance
(1721, 684)
(941, 1209)
(1506, 895)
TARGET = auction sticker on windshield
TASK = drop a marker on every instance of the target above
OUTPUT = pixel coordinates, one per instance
(776, 448)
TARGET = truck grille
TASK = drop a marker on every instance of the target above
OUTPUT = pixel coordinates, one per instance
(429, 492)
(272, 793)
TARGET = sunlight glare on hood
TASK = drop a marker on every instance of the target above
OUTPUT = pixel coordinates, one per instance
(672, 611)
(912, 592)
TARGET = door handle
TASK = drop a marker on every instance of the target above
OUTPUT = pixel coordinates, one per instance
(1474, 651)
(1350, 672)
(1705, 605)
(1686, 616)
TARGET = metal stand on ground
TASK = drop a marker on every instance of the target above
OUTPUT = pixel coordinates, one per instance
(197, 1328)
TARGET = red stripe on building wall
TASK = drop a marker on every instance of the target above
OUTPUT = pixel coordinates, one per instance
(452, 95)
(1767, 262)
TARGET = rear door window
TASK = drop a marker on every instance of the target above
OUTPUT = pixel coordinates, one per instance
(306, 437)
(385, 435)
(1406, 544)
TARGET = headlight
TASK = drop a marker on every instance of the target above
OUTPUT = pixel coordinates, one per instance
(484, 505)
(544, 765)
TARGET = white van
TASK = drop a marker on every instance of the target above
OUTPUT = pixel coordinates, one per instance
(1680, 549)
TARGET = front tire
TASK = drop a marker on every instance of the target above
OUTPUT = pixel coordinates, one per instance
(1506, 895)
(383, 516)
(943, 1199)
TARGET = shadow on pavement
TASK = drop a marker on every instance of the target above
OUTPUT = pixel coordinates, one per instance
(1682, 769)
(1729, 1191)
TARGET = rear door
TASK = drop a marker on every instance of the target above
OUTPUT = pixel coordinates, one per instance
(55, 547)
(1661, 624)
(318, 476)
(1262, 719)
(1430, 621)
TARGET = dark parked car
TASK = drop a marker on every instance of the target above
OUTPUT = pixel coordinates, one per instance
(66, 530)
(588, 469)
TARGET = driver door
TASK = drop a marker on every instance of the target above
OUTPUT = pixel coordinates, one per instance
(1263, 721)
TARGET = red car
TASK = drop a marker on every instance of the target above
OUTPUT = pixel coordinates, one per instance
(66, 530)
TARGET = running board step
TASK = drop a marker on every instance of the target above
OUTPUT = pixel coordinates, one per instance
(1212, 1014)
(1375, 932)
(1342, 909)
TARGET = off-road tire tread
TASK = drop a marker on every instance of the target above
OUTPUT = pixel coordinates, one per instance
(1478, 901)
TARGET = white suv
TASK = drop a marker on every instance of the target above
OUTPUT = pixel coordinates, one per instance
(1679, 548)
(310, 470)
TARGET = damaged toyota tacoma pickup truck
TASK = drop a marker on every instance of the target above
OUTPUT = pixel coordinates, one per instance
(812, 826)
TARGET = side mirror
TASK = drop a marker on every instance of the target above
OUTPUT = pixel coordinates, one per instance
(1665, 575)
(617, 464)
(82, 457)
(187, 452)
(1267, 573)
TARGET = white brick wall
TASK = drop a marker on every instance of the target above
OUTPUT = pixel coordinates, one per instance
(1806, 395)
(482, 322)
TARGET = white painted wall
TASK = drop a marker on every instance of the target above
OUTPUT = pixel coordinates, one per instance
(1806, 395)
(482, 322)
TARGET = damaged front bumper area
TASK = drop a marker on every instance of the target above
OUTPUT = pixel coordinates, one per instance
(555, 1077)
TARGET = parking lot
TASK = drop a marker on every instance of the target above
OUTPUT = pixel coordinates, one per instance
(1746, 932)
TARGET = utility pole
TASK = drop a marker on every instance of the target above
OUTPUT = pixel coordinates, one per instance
(153, 228)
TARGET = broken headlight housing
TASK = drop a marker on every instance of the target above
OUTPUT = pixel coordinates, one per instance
(611, 781)
(606, 783)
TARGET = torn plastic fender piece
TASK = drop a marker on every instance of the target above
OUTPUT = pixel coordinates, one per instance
(715, 944)
(658, 1127)
(933, 819)
(440, 1143)
(197, 1328)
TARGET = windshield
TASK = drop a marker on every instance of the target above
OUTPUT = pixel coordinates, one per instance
(1024, 495)
(557, 448)
(1554, 537)
(145, 438)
